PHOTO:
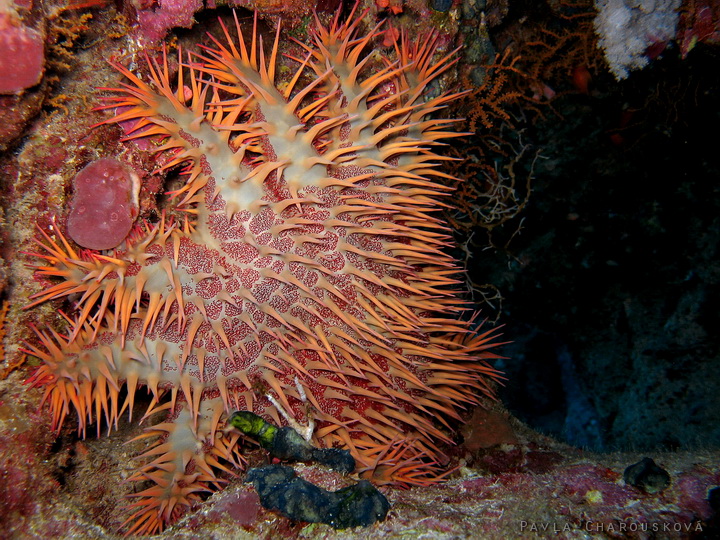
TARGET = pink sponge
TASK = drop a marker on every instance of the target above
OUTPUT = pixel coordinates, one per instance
(104, 205)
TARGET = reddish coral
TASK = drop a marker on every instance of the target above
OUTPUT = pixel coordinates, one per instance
(699, 23)
(155, 18)
(158, 18)
(488, 428)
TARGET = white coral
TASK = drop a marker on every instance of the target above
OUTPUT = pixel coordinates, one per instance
(626, 28)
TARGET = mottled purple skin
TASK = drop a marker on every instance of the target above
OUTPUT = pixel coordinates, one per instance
(22, 55)
(104, 204)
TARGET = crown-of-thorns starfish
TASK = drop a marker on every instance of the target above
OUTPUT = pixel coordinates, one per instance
(310, 252)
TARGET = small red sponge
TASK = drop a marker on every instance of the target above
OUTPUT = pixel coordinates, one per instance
(104, 205)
